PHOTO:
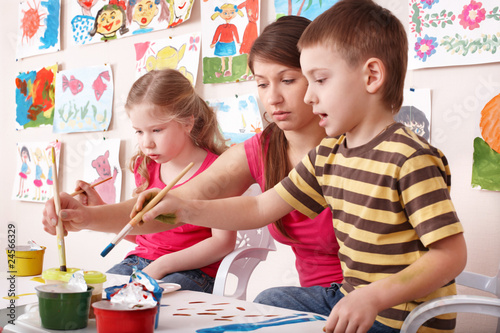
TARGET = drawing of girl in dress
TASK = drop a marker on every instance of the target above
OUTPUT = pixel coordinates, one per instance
(25, 169)
(38, 174)
(224, 37)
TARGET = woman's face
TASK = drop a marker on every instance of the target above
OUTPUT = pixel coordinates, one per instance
(281, 90)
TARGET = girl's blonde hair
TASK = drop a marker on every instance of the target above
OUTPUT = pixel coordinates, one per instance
(173, 98)
(218, 10)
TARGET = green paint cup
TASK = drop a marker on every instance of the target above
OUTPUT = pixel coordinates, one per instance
(63, 309)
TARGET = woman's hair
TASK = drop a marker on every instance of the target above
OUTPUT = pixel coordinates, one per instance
(277, 44)
(173, 98)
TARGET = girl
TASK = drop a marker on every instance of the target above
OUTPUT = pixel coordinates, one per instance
(25, 169)
(266, 159)
(224, 37)
(144, 11)
(110, 19)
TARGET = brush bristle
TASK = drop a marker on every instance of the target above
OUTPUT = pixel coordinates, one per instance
(107, 249)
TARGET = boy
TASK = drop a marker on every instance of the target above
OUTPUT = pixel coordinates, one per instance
(401, 242)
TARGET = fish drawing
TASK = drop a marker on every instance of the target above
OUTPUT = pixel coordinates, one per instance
(99, 86)
(74, 85)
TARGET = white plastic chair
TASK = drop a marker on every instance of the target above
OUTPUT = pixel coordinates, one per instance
(460, 303)
(252, 247)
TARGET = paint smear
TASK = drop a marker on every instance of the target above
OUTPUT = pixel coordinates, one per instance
(246, 327)
(490, 123)
(485, 167)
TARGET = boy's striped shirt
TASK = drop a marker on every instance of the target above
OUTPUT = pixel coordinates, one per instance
(389, 198)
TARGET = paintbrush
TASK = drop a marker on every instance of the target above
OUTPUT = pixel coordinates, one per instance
(137, 218)
(92, 186)
(59, 227)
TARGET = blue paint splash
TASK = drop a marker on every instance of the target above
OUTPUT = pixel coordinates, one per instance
(247, 327)
(51, 35)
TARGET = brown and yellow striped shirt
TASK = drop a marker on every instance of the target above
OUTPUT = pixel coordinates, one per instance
(389, 198)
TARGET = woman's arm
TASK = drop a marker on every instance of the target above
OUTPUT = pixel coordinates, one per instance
(199, 255)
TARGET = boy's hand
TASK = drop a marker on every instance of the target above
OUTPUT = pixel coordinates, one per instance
(89, 197)
(355, 313)
(73, 214)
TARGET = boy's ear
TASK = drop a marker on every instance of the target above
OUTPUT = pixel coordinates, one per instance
(374, 75)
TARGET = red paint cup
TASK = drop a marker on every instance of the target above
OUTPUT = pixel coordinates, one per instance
(116, 318)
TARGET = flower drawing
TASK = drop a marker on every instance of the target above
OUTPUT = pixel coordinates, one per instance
(428, 3)
(425, 47)
(472, 15)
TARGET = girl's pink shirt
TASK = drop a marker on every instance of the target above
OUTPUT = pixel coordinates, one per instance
(315, 246)
(153, 246)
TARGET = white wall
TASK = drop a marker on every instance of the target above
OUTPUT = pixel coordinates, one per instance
(453, 131)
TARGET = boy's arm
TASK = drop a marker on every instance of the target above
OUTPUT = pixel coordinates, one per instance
(237, 213)
(356, 312)
(199, 255)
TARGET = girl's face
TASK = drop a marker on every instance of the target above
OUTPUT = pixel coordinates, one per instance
(158, 139)
(144, 12)
(281, 90)
(109, 21)
(228, 13)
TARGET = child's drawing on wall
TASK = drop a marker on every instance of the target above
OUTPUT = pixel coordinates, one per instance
(180, 11)
(251, 31)
(109, 20)
(100, 162)
(238, 117)
(225, 37)
(84, 99)
(224, 24)
(34, 179)
(25, 170)
(141, 13)
(35, 97)
(180, 52)
(38, 27)
(416, 112)
(82, 23)
(309, 9)
(486, 157)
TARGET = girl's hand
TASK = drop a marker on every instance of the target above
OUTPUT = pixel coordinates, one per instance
(89, 197)
(73, 214)
(212, 46)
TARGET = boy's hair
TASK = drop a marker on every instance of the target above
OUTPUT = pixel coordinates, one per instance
(172, 97)
(359, 30)
(277, 44)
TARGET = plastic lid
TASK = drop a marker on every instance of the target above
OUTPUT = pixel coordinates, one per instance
(91, 277)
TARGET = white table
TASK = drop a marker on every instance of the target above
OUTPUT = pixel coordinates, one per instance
(189, 311)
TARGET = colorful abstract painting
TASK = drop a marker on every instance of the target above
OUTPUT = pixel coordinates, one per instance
(450, 33)
(305, 8)
(239, 117)
(229, 30)
(101, 161)
(180, 52)
(84, 99)
(35, 97)
(34, 179)
(38, 30)
(94, 21)
(416, 111)
(486, 158)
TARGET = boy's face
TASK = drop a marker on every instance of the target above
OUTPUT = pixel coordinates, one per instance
(335, 89)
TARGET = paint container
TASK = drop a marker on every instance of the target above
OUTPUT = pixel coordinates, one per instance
(111, 290)
(94, 279)
(23, 261)
(117, 318)
(62, 308)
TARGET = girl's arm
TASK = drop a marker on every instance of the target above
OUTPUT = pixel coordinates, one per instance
(199, 255)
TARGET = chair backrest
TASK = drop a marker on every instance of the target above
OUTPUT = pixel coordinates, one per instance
(254, 238)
